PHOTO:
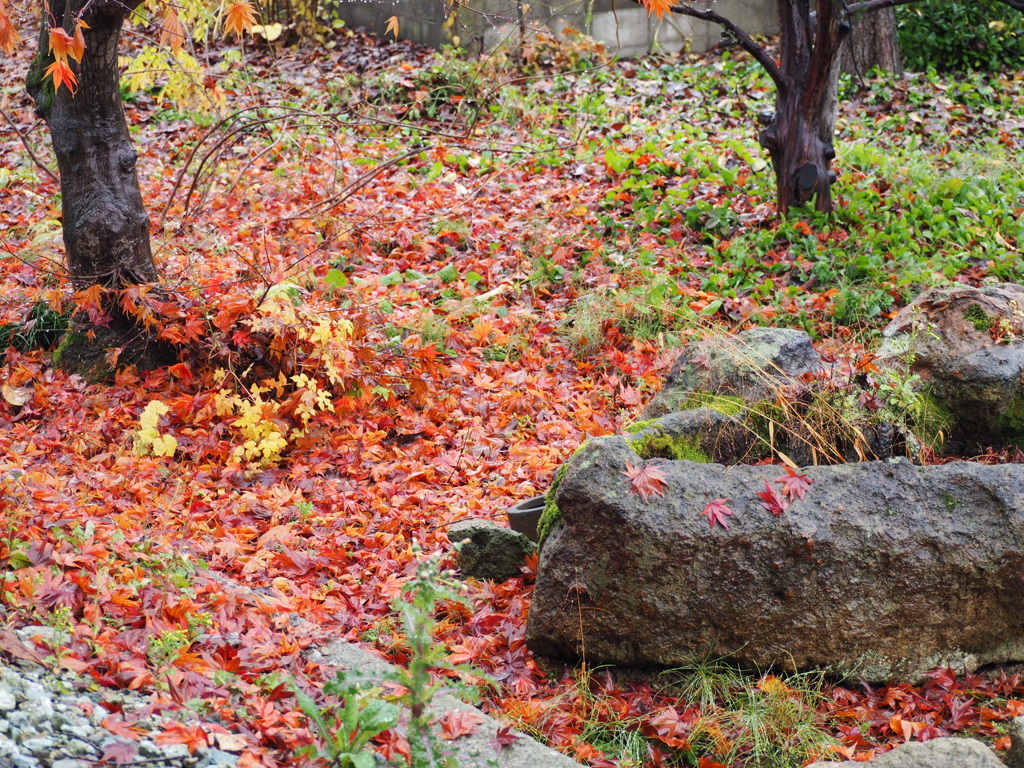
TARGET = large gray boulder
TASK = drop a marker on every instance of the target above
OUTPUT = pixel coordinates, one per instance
(883, 571)
(937, 753)
(751, 366)
(967, 346)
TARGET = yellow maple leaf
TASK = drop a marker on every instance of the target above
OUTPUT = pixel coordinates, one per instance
(391, 27)
(238, 18)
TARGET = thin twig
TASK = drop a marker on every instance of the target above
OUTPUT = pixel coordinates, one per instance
(354, 186)
(745, 40)
(28, 148)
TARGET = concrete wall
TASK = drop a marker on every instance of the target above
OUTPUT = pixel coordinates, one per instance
(621, 25)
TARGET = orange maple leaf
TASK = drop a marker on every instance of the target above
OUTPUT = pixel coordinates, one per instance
(61, 73)
(392, 27)
(658, 7)
(62, 45)
(192, 737)
(239, 18)
(172, 32)
(9, 36)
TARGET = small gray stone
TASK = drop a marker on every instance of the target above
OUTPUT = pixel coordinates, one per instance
(38, 706)
(71, 762)
(489, 551)
(25, 634)
(7, 700)
(20, 760)
(937, 753)
(213, 758)
(40, 746)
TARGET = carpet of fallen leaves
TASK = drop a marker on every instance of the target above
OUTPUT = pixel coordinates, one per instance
(452, 246)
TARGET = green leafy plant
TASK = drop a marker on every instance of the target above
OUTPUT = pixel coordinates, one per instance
(42, 328)
(358, 713)
(345, 729)
(960, 35)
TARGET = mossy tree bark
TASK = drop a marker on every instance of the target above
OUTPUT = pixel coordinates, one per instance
(106, 227)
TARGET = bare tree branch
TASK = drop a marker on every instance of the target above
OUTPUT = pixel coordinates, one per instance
(867, 6)
(745, 41)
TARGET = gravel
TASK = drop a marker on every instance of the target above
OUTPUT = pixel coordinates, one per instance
(51, 721)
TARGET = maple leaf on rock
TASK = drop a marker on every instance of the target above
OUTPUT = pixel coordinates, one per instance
(794, 485)
(716, 512)
(503, 738)
(646, 479)
(772, 500)
(121, 752)
(459, 722)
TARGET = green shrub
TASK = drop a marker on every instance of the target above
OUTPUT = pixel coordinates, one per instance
(960, 35)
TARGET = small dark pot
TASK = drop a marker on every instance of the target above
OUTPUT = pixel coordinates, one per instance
(523, 517)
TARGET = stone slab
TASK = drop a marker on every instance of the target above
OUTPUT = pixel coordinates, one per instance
(473, 749)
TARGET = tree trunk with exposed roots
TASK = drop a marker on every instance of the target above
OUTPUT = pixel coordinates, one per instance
(799, 133)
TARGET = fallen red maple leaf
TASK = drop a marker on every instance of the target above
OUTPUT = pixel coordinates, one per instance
(794, 485)
(192, 737)
(121, 752)
(459, 722)
(772, 500)
(503, 738)
(646, 479)
(716, 512)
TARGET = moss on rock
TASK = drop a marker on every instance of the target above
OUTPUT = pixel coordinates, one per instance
(1009, 427)
(552, 515)
(976, 316)
(727, 405)
(79, 354)
(655, 443)
(933, 421)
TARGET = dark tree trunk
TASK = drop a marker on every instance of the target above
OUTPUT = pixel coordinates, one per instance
(872, 43)
(798, 136)
(106, 227)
